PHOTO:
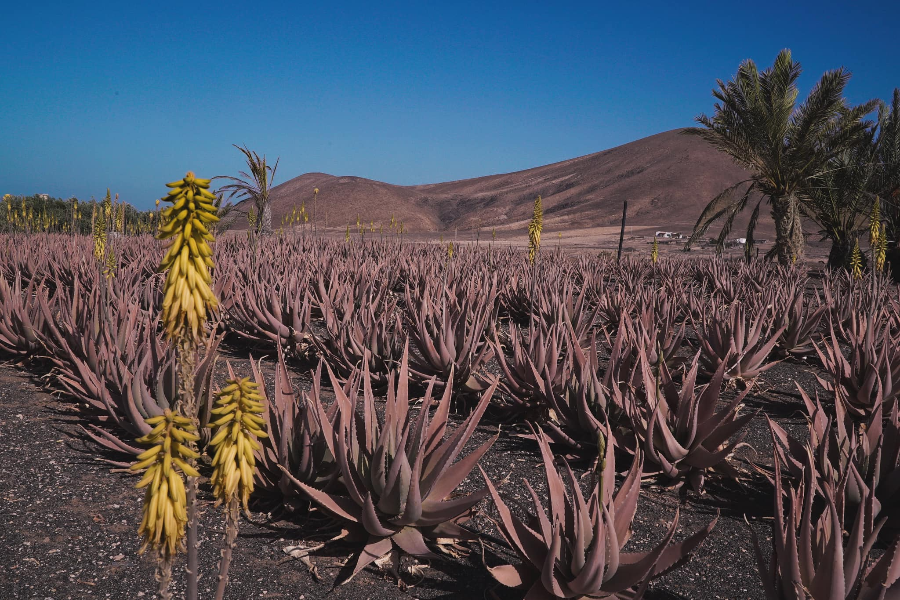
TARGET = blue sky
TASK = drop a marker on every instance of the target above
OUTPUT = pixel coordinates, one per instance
(101, 95)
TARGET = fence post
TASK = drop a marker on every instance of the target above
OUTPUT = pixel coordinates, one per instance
(622, 231)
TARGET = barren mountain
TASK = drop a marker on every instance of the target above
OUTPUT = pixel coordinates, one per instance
(667, 179)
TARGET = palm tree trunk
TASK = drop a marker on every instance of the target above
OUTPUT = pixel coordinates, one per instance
(839, 256)
(265, 215)
(841, 251)
(892, 263)
(788, 229)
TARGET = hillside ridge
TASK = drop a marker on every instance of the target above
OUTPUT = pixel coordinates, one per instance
(666, 178)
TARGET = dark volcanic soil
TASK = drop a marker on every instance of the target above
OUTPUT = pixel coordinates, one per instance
(68, 525)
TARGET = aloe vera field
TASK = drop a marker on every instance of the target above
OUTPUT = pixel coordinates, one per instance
(379, 419)
(665, 369)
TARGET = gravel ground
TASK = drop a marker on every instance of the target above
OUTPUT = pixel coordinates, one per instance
(68, 523)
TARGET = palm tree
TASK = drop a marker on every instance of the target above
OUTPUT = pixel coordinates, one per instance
(840, 199)
(887, 178)
(254, 186)
(784, 146)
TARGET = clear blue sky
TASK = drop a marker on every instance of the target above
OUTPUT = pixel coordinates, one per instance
(128, 97)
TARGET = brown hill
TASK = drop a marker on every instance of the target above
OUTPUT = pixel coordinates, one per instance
(667, 179)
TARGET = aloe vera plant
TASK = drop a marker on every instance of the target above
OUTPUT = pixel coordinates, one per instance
(854, 305)
(575, 549)
(724, 284)
(271, 308)
(869, 373)
(683, 436)
(852, 460)
(800, 320)
(108, 353)
(810, 557)
(738, 341)
(356, 458)
(514, 296)
(21, 319)
(449, 326)
(297, 441)
(372, 333)
(345, 289)
(623, 368)
(538, 364)
(577, 413)
(656, 339)
(659, 327)
(560, 304)
(612, 305)
(399, 474)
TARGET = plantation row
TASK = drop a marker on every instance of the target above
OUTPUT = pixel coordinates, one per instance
(635, 363)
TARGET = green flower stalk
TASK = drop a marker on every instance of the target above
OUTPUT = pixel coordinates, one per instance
(654, 253)
(107, 207)
(535, 226)
(187, 301)
(111, 264)
(120, 217)
(164, 501)
(856, 262)
(875, 224)
(99, 234)
(881, 250)
(315, 204)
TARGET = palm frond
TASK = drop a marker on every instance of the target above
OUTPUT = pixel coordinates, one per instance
(253, 186)
(731, 213)
(715, 210)
(750, 242)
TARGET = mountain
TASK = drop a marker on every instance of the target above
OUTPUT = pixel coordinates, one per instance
(667, 179)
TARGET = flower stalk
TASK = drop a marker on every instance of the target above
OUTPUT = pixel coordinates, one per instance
(165, 501)
(187, 303)
(235, 430)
